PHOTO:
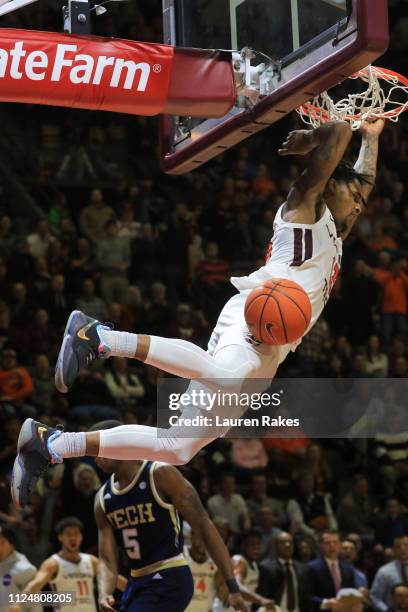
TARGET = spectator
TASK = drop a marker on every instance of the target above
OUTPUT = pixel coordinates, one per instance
(94, 217)
(329, 574)
(263, 186)
(393, 523)
(267, 530)
(313, 350)
(229, 505)
(247, 455)
(356, 508)
(40, 240)
(391, 448)
(79, 486)
(315, 511)
(15, 569)
(287, 580)
(394, 284)
(82, 265)
(317, 465)
(58, 304)
(306, 549)
(16, 384)
(212, 276)
(124, 386)
(43, 335)
(43, 383)
(90, 303)
(392, 573)
(187, 327)
(21, 305)
(7, 236)
(113, 259)
(399, 598)
(21, 263)
(58, 210)
(41, 279)
(376, 362)
(159, 313)
(348, 554)
(259, 499)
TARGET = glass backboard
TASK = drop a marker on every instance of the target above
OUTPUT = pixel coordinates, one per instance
(307, 46)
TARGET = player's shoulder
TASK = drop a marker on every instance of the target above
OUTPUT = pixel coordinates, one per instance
(21, 562)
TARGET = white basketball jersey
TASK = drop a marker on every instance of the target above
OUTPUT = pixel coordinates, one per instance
(76, 578)
(204, 588)
(310, 255)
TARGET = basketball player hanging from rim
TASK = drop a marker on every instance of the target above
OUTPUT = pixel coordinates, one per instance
(321, 207)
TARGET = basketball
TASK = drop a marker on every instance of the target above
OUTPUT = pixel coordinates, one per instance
(278, 312)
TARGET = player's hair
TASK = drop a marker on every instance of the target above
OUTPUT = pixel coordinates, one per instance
(253, 532)
(69, 521)
(108, 424)
(8, 533)
(346, 173)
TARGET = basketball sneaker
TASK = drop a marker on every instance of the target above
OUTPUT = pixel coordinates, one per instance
(33, 458)
(82, 344)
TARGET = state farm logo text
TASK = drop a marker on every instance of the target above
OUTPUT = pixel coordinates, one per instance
(80, 68)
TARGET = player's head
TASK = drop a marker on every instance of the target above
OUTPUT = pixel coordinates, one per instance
(250, 544)
(8, 540)
(343, 195)
(70, 534)
(108, 466)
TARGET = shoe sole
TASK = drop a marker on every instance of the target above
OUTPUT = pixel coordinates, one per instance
(76, 320)
(25, 435)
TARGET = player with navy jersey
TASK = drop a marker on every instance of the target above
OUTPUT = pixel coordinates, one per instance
(140, 509)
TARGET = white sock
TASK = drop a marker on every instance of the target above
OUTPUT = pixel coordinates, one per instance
(121, 344)
(69, 445)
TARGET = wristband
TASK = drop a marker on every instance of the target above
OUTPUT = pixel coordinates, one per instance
(232, 585)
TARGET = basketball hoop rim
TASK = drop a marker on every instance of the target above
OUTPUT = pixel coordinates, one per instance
(310, 109)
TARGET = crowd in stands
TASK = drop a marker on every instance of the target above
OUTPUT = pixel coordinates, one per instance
(87, 221)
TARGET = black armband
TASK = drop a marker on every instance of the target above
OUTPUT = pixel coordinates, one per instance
(232, 585)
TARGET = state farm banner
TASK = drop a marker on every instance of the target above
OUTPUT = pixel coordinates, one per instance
(84, 72)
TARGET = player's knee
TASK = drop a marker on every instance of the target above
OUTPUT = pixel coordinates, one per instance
(184, 451)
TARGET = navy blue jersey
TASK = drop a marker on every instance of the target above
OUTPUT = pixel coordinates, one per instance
(148, 528)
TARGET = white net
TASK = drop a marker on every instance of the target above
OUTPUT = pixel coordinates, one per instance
(387, 99)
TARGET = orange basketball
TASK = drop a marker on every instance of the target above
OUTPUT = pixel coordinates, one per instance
(278, 312)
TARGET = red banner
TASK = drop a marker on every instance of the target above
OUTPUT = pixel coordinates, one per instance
(84, 72)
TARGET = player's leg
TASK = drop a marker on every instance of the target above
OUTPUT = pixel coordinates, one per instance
(40, 445)
(86, 339)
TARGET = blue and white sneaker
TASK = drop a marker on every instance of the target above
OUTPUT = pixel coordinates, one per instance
(34, 457)
(82, 344)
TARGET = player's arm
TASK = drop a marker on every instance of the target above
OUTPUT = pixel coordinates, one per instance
(121, 583)
(47, 571)
(172, 486)
(325, 146)
(240, 570)
(367, 159)
(107, 570)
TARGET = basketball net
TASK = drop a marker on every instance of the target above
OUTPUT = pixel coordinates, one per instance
(379, 100)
